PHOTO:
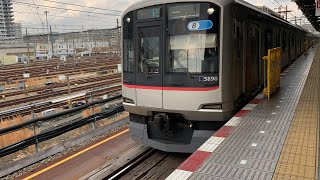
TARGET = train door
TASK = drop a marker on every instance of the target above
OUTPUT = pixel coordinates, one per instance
(252, 60)
(149, 43)
(238, 64)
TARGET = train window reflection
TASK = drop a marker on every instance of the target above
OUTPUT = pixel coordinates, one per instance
(128, 55)
(149, 54)
(182, 11)
(128, 49)
(192, 51)
(196, 53)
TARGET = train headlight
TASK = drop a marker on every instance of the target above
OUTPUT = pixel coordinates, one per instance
(128, 20)
(210, 11)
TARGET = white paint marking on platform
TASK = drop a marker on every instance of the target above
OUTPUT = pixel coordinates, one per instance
(207, 147)
(243, 162)
(211, 144)
(274, 113)
(260, 96)
(278, 106)
(254, 144)
(249, 107)
(179, 175)
(235, 121)
(215, 140)
(268, 121)
(262, 132)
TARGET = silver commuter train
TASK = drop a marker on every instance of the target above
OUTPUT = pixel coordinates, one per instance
(188, 66)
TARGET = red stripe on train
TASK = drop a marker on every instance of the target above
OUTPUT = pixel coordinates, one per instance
(172, 88)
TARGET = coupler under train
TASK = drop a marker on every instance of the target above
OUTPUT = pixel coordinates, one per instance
(170, 132)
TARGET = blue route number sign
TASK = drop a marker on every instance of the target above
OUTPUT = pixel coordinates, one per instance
(200, 25)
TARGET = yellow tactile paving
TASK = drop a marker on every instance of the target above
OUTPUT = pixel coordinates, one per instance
(299, 157)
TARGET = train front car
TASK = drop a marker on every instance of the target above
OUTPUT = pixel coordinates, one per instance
(172, 73)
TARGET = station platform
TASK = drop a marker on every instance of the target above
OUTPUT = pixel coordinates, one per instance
(267, 139)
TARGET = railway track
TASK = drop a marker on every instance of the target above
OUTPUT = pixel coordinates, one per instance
(79, 82)
(17, 75)
(39, 64)
(15, 71)
(147, 164)
(112, 79)
(8, 116)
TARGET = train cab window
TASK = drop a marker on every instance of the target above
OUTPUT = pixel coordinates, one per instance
(149, 54)
(128, 50)
(193, 38)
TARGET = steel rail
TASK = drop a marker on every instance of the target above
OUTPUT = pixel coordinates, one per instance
(57, 131)
(47, 118)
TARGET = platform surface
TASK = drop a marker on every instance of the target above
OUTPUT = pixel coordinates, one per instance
(267, 139)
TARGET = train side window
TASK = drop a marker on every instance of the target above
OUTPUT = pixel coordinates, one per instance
(239, 43)
(128, 50)
(268, 41)
(284, 42)
(279, 39)
(292, 44)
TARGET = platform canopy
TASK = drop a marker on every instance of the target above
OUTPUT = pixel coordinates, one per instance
(308, 8)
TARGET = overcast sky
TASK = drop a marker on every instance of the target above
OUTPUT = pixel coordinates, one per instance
(31, 13)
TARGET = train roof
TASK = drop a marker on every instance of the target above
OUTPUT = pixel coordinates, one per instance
(147, 3)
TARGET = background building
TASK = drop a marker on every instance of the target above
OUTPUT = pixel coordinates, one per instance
(74, 43)
(17, 29)
(6, 19)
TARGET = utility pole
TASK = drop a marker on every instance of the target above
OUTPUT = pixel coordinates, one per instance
(118, 36)
(95, 45)
(68, 81)
(296, 19)
(28, 45)
(46, 12)
(285, 11)
(51, 41)
(67, 44)
(74, 49)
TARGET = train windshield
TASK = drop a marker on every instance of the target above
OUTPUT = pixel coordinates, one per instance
(193, 38)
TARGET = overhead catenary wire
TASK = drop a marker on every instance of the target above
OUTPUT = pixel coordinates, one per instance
(80, 14)
(43, 40)
(83, 6)
(293, 15)
(68, 9)
(94, 14)
(100, 20)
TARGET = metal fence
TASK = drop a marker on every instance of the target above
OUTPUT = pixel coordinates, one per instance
(60, 129)
(273, 63)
